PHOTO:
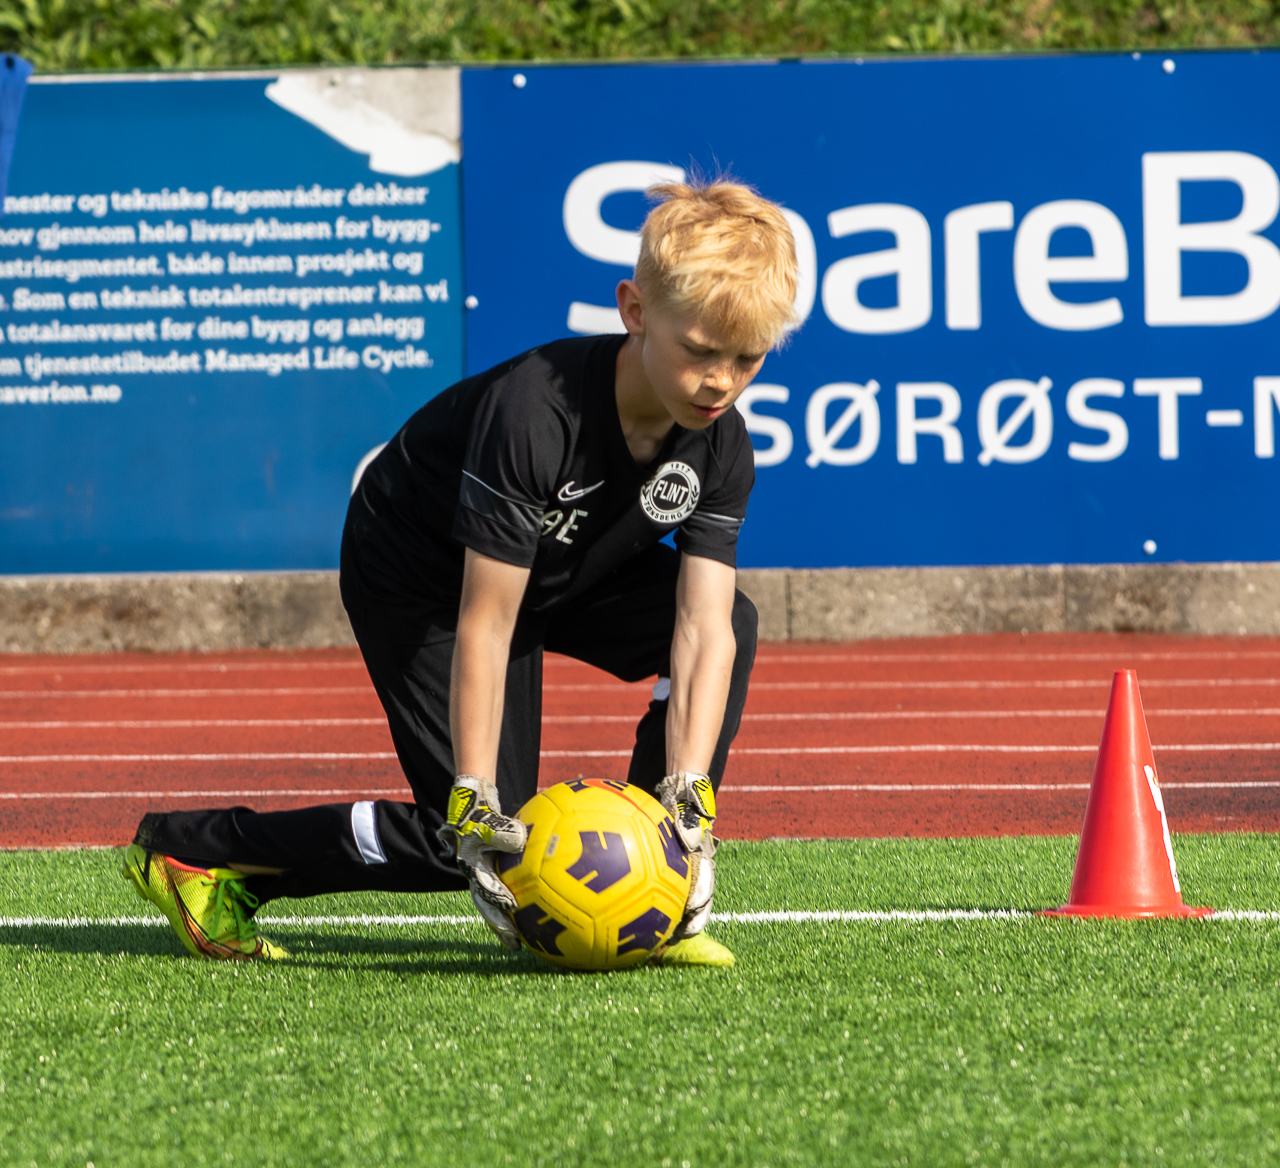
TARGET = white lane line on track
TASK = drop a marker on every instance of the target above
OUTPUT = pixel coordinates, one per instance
(1061, 683)
(194, 723)
(989, 748)
(942, 658)
(890, 715)
(283, 792)
(163, 666)
(931, 748)
(386, 755)
(908, 788)
(782, 917)
(278, 691)
(729, 788)
(621, 719)
(558, 662)
(902, 788)
(1050, 683)
(562, 662)
(247, 756)
(772, 751)
(627, 719)
(645, 686)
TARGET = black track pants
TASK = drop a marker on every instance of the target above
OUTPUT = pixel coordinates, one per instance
(623, 625)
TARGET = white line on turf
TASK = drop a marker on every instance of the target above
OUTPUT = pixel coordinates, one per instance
(77, 922)
(780, 917)
(849, 916)
(394, 921)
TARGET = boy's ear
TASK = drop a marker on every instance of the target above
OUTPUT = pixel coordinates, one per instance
(631, 307)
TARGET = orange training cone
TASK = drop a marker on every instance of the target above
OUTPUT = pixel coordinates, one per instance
(1125, 866)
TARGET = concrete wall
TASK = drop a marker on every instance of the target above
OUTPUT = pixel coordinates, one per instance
(295, 610)
(167, 611)
(860, 603)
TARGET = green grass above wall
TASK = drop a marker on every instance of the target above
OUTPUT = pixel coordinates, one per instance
(70, 35)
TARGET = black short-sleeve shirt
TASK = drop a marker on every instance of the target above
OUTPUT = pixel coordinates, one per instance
(527, 463)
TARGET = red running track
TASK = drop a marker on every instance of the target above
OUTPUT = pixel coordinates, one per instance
(949, 736)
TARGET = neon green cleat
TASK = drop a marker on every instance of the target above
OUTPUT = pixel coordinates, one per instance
(696, 950)
(206, 907)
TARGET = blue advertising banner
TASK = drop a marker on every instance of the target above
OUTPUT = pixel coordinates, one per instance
(217, 297)
(14, 74)
(1040, 294)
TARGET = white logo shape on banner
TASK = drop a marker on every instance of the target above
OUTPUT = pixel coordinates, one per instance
(407, 121)
(823, 442)
(1034, 404)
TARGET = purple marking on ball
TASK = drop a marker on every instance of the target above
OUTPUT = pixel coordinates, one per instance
(607, 859)
(643, 932)
(539, 928)
(677, 861)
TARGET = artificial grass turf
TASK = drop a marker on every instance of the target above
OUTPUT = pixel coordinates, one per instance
(993, 1041)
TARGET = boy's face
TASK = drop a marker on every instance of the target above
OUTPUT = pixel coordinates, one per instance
(695, 373)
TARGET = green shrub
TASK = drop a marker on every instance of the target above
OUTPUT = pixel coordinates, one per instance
(131, 34)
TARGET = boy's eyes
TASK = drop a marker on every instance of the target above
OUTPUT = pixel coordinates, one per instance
(701, 354)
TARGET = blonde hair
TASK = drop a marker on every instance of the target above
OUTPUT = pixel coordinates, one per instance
(720, 250)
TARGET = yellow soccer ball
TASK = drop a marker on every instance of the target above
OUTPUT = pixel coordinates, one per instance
(602, 881)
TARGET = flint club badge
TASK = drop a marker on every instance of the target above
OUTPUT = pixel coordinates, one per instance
(672, 494)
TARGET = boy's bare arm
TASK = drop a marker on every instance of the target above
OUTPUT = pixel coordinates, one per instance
(491, 596)
(702, 654)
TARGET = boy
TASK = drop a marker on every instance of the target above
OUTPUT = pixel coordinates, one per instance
(522, 509)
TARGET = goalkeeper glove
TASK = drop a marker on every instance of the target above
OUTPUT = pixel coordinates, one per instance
(475, 831)
(691, 800)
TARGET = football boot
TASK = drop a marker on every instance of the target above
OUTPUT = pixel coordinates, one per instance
(696, 950)
(209, 908)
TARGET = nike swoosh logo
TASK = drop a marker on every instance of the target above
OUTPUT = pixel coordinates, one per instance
(567, 494)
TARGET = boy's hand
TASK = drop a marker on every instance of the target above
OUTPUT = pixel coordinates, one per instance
(691, 799)
(475, 831)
